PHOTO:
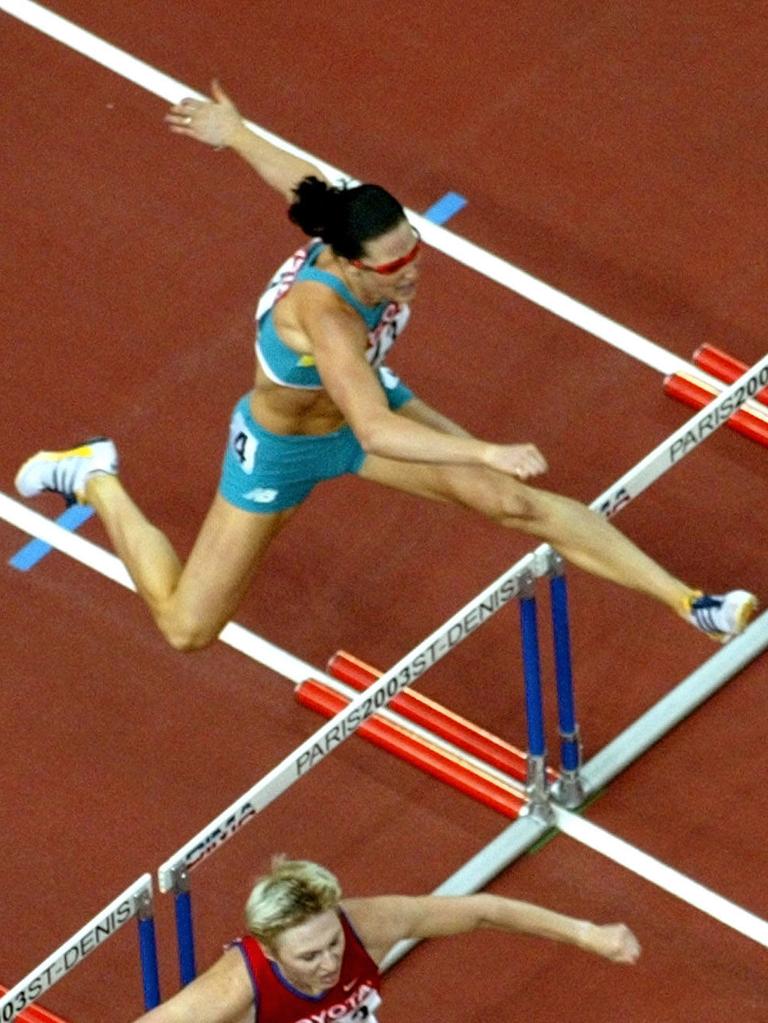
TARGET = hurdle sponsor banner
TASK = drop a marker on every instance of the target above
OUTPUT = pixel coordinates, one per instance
(682, 441)
(72, 952)
(326, 739)
(35, 1013)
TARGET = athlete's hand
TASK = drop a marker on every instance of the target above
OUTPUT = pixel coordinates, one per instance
(613, 941)
(214, 121)
(520, 460)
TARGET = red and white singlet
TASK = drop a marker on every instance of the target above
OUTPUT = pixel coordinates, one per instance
(354, 999)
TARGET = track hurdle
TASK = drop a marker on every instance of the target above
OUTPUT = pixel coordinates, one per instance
(494, 751)
(634, 482)
(697, 393)
(724, 367)
(135, 901)
(472, 740)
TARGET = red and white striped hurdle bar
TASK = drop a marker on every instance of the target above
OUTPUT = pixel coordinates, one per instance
(752, 422)
(418, 751)
(726, 368)
(438, 719)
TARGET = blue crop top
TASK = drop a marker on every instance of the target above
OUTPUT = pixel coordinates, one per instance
(285, 366)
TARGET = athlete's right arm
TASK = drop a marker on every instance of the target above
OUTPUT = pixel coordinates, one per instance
(222, 994)
(338, 345)
(218, 122)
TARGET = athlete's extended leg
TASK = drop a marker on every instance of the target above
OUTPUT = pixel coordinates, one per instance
(580, 535)
(190, 603)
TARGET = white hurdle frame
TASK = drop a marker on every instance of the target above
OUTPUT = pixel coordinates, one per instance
(409, 668)
(135, 901)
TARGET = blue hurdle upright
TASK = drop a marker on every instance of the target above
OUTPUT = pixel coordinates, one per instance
(568, 791)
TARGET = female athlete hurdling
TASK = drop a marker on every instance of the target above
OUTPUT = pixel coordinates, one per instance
(323, 404)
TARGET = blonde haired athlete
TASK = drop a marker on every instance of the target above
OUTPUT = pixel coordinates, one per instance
(311, 956)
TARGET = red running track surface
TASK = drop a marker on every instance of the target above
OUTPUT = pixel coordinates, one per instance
(618, 154)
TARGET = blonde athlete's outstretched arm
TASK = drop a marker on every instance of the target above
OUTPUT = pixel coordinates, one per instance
(224, 993)
(384, 920)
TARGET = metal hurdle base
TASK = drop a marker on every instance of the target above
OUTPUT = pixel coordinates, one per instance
(689, 694)
(568, 790)
(537, 791)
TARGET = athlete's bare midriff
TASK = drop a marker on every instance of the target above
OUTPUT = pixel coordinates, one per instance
(289, 410)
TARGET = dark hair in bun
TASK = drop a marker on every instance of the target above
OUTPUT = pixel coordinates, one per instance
(345, 218)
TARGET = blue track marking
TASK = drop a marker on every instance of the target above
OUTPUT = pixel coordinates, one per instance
(31, 553)
(445, 208)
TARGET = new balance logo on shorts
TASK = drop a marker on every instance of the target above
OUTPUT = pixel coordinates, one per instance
(262, 495)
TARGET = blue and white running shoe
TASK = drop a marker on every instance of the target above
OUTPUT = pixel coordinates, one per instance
(722, 616)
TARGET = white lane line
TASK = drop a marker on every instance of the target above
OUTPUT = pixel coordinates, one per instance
(463, 251)
(659, 874)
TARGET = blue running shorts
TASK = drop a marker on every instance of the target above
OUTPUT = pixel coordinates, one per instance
(269, 472)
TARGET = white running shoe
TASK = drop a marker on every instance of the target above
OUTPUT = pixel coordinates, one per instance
(722, 616)
(65, 472)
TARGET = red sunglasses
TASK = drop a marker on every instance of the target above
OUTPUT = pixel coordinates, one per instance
(396, 264)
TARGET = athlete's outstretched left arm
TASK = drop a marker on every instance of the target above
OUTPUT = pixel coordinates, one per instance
(383, 921)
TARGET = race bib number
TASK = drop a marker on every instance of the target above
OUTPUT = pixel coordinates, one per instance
(281, 282)
(242, 442)
(384, 335)
(365, 1011)
(360, 1008)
